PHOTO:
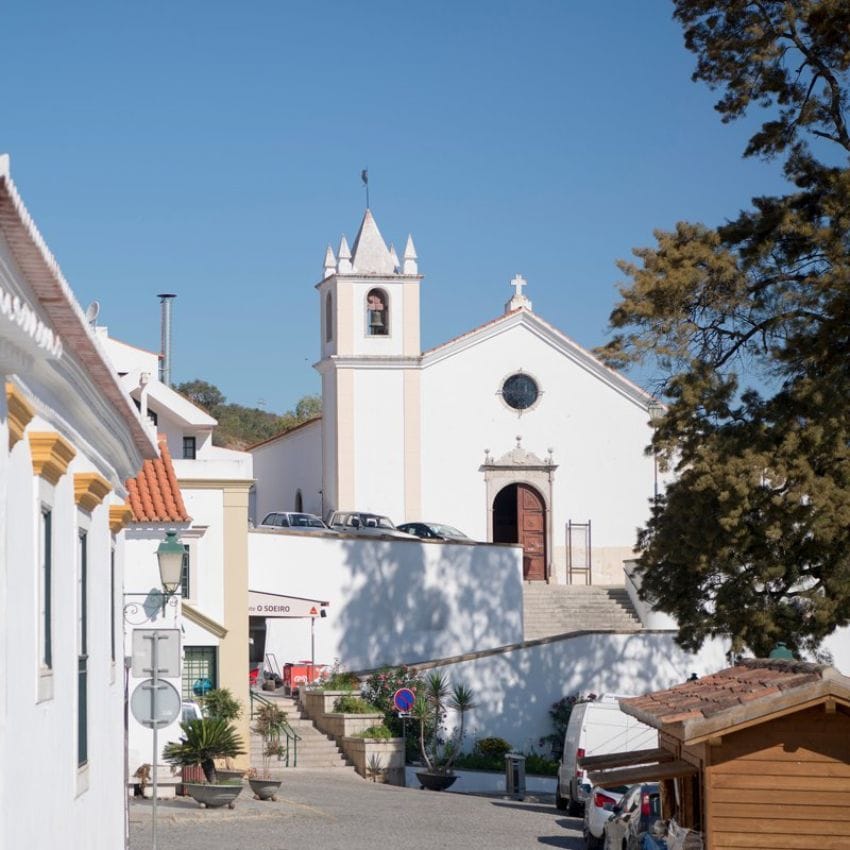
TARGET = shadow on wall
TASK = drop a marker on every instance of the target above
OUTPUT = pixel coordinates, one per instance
(515, 689)
(437, 601)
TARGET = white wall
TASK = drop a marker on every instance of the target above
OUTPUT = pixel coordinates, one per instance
(287, 465)
(379, 442)
(46, 797)
(391, 601)
(514, 690)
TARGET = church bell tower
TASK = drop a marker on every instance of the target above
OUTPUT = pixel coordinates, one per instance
(370, 344)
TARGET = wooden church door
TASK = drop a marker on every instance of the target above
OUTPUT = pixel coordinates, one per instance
(519, 516)
(531, 523)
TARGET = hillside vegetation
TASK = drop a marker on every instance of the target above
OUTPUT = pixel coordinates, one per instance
(239, 426)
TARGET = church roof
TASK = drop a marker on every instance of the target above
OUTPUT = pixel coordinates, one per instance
(286, 433)
(568, 346)
(370, 254)
(154, 494)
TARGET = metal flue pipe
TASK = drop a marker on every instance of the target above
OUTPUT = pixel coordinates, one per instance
(165, 299)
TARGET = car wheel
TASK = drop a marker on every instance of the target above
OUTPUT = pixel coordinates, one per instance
(575, 808)
(591, 842)
(560, 802)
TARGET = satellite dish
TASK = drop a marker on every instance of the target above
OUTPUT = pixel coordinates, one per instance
(92, 312)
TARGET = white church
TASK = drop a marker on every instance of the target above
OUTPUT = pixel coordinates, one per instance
(511, 432)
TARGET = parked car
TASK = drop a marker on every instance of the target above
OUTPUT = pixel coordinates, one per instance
(595, 729)
(638, 809)
(190, 711)
(598, 810)
(292, 520)
(432, 531)
(357, 522)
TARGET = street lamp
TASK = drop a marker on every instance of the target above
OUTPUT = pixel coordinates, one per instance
(656, 411)
(169, 553)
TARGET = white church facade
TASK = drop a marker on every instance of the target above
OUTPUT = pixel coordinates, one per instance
(511, 432)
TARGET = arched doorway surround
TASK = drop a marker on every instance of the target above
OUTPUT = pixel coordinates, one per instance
(527, 482)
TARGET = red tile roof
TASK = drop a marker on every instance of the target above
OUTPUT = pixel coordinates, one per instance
(750, 680)
(154, 494)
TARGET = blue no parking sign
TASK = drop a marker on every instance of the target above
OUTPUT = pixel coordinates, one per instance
(403, 699)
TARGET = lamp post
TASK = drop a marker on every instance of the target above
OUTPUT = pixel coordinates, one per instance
(169, 555)
(656, 411)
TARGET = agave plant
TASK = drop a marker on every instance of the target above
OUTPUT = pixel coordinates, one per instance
(204, 741)
(430, 708)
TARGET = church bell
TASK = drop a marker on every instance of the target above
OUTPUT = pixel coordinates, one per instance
(376, 319)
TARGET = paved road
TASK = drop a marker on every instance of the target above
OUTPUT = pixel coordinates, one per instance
(323, 810)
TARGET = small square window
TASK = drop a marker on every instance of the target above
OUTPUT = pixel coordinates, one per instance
(188, 448)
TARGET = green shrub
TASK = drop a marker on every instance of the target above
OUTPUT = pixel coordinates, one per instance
(220, 704)
(496, 747)
(376, 733)
(351, 704)
(534, 763)
(341, 681)
(540, 765)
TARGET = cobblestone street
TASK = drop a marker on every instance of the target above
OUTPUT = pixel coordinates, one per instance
(323, 810)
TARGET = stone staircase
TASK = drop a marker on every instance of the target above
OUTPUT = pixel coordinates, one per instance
(554, 609)
(315, 750)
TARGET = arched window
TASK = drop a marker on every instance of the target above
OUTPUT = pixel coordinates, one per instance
(377, 313)
(299, 502)
(329, 318)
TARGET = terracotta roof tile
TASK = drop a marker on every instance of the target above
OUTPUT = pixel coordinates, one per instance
(751, 679)
(154, 494)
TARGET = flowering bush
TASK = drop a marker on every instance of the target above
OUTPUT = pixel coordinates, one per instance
(381, 685)
(379, 689)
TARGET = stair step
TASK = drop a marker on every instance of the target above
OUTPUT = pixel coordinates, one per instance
(560, 609)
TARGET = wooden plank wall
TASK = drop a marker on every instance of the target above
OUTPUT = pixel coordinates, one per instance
(782, 785)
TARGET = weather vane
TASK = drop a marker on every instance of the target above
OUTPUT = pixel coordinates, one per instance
(364, 176)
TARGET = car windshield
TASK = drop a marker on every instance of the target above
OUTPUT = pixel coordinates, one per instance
(373, 521)
(305, 521)
(447, 531)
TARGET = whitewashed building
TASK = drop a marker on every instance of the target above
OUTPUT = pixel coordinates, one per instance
(511, 432)
(69, 439)
(200, 491)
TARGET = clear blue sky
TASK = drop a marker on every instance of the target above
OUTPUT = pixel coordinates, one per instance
(214, 150)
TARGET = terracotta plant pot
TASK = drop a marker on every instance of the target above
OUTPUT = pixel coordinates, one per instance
(265, 789)
(435, 781)
(213, 796)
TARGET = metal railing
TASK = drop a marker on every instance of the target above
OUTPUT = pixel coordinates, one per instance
(292, 737)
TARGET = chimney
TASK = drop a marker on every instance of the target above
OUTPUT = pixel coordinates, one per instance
(165, 299)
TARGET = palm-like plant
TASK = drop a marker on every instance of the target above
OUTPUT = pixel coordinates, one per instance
(430, 709)
(204, 741)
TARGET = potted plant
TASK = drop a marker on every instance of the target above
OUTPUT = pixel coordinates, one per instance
(432, 703)
(220, 704)
(204, 741)
(268, 725)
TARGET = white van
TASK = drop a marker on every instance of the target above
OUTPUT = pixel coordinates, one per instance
(596, 729)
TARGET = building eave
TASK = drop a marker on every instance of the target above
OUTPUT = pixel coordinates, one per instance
(56, 299)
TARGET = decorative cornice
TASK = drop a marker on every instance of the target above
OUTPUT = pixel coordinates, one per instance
(51, 454)
(119, 516)
(202, 620)
(90, 488)
(19, 413)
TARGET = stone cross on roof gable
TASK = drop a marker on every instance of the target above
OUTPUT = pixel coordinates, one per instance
(518, 300)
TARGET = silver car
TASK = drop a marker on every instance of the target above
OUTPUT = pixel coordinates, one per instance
(372, 525)
(293, 520)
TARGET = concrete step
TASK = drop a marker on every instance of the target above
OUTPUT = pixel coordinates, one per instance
(560, 609)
